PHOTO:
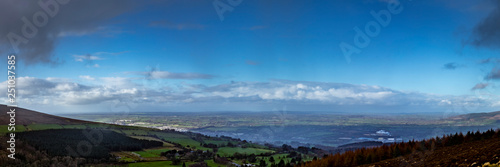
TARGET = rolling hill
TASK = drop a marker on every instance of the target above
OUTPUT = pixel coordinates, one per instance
(44, 140)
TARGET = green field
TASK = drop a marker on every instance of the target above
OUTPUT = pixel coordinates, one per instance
(277, 158)
(212, 163)
(228, 151)
(148, 153)
(183, 140)
(157, 164)
(135, 132)
(74, 126)
(44, 126)
(4, 129)
(217, 142)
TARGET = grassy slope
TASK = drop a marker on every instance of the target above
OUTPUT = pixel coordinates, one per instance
(28, 120)
(229, 151)
(155, 152)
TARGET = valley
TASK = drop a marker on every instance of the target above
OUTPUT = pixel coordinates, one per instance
(306, 128)
(170, 139)
(46, 139)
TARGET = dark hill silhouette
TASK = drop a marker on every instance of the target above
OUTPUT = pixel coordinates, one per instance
(27, 117)
(364, 144)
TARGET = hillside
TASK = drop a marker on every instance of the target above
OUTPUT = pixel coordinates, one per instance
(477, 116)
(467, 154)
(43, 139)
(27, 117)
(471, 149)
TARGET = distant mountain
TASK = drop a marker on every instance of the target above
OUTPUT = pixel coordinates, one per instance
(478, 119)
(477, 116)
(365, 144)
(28, 117)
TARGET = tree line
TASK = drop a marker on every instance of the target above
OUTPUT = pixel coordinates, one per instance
(384, 152)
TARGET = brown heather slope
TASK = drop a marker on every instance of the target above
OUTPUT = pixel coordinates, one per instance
(472, 149)
(27, 117)
(467, 154)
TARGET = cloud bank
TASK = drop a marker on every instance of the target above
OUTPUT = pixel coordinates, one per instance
(237, 96)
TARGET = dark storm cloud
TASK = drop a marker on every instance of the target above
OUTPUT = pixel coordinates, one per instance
(76, 17)
(487, 32)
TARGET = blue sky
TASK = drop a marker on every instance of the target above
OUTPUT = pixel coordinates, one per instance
(433, 56)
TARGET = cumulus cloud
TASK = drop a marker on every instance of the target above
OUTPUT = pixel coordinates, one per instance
(71, 93)
(86, 77)
(72, 18)
(298, 91)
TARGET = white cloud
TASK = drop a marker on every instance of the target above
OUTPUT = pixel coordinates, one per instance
(120, 82)
(445, 102)
(86, 77)
(299, 91)
(171, 75)
(81, 58)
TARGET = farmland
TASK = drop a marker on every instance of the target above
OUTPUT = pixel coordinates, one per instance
(302, 128)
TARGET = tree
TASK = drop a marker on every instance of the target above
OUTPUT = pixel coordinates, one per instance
(271, 159)
(262, 163)
(176, 161)
(396, 152)
(282, 163)
(252, 158)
